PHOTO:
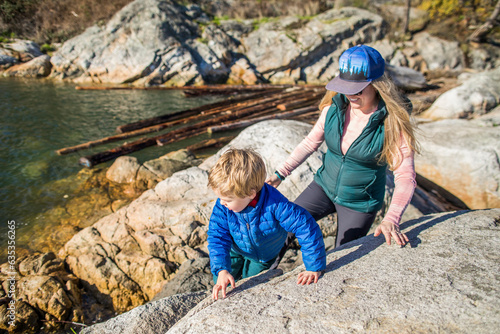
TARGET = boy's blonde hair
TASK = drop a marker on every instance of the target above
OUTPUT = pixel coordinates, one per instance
(237, 173)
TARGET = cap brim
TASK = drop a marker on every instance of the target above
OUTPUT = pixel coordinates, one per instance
(346, 87)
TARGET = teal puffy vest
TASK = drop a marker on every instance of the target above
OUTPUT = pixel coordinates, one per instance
(355, 180)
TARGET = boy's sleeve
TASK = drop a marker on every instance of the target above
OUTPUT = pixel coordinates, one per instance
(293, 218)
(219, 240)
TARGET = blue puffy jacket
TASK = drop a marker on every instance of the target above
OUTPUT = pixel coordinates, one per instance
(259, 233)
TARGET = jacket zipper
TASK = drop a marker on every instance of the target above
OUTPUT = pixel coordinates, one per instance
(252, 241)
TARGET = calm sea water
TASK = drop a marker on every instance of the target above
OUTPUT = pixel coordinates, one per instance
(39, 117)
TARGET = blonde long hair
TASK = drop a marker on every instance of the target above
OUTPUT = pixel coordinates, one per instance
(398, 124)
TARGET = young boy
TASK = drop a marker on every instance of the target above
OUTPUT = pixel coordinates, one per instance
(250, 221)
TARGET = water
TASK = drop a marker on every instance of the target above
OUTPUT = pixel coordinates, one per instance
(38, 117)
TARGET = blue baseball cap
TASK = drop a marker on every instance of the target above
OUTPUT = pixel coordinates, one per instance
(358, 67)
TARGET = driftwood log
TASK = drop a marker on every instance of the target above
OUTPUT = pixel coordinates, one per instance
(210, 143)
(186, 113)
(191, 115)
(232, 113)
(245, 123)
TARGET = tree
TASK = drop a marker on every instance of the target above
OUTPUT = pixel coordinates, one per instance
(479, 35)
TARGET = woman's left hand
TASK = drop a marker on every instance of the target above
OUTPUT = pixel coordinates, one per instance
(389, 230)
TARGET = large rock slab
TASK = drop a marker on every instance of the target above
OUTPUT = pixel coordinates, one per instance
(144, 37)
(153, 42)
(151, 318)
(290, 49)
(461, 157)
(445, 280)
(127, 257)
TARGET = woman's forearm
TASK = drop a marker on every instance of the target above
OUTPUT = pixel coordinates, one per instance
(306, 147)
(405, 184)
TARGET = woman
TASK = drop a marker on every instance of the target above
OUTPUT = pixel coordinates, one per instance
(367, 129)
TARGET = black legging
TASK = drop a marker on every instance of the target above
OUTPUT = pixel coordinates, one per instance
(351, 224)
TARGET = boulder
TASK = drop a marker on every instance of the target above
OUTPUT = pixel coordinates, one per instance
(478, 94)
(461, 158)
(483, 56)
(439, 54)
(145, 38)
(24, 320)
(127, 169)
(244, 73)
(23, 50)
(406, 78)
(445, 280)
(6, 61)
(44, 291)
(36, 68)
(123, 170)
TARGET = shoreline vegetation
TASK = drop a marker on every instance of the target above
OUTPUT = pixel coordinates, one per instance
(51, 22)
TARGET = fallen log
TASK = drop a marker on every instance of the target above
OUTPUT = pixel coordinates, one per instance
(229, 90)
(300, 101)
(185, 113)
(265, 104)
(156, 128)
(172, 136)
(210, 143)
(142, 131)
(201, 87)
(95, 159)
(127, 148)
(256, 107)
(196, 110)
(248, 122)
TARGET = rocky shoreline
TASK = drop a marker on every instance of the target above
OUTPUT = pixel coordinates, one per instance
(149, 242)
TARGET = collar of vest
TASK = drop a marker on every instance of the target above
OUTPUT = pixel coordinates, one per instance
(341, 101)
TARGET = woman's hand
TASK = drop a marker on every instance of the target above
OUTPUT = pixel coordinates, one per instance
(389, 230)
(273, 180)
(223, 279)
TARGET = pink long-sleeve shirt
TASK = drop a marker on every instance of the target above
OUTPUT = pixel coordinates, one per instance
(404, 175)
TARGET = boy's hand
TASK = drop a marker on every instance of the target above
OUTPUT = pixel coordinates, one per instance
(223, 279)
(388, 229)
(308, 277)
(273, 180)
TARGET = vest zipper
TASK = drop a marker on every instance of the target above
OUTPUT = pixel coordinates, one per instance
(338, 177)
(361, 135)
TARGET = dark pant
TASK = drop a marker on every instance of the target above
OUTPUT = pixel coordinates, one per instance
(351, 224)
(242, 267)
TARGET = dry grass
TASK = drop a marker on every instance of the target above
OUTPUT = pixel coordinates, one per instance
(58, 20)
(52, 21)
